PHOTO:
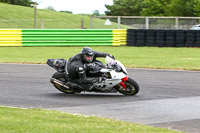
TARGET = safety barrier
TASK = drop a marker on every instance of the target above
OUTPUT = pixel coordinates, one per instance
(163, 38)
(99, 37)
(10, 37)
(59, 37)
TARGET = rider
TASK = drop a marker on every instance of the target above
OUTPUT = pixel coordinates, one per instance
(80, 67)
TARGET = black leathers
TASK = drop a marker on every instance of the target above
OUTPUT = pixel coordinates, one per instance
(80, 72)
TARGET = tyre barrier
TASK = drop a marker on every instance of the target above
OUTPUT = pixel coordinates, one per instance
(163, 38)
(60, 37)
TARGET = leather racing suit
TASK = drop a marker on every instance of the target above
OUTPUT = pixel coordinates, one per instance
(82, 74)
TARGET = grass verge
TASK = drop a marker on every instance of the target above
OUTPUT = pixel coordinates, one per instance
(15, 120)
(132, 57)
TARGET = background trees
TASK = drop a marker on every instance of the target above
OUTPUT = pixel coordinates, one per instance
(18, 2)
(125, 8)
(154, 8)
(141, 7)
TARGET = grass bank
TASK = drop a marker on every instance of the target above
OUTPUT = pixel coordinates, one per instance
(14, 120)
(132, 57)
(15, 16)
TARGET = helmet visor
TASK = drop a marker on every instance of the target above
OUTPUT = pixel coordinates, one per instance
(88, 58)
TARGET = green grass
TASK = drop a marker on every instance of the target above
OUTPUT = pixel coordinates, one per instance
(15, 120)
(132, 57)
(24, 18)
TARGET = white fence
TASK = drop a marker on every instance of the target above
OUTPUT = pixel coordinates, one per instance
(151, 22)
(118, 22)
(42, 23)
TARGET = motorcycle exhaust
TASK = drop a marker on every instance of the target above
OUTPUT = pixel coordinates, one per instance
(55, 81)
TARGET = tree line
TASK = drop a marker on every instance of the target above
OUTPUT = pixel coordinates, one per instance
(18, 2)
(154, 8)
(141, 7)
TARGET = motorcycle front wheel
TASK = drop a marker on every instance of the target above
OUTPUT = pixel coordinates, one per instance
(132, 87)
(61, 77)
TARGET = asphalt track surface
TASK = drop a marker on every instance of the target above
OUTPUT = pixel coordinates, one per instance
(169, 99)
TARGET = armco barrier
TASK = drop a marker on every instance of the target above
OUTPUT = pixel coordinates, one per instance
(10, 38)
(67, 37)
(163, 38)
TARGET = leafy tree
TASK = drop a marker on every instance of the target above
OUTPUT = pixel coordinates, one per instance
(18, 2)
(96, 13)
(196, 8)
(154, 7)
(124, 8)
(50, 8)
(180, 8)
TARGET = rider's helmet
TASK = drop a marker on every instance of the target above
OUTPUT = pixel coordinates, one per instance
(88, 54)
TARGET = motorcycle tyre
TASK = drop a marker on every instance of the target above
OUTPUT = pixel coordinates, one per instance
(61, 77)
(127, 83)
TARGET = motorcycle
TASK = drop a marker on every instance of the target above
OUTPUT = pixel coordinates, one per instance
(115, 78)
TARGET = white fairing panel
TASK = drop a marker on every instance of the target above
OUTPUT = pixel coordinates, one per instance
(110, 62)
(109, 83)
(122, 66)
(115, 76)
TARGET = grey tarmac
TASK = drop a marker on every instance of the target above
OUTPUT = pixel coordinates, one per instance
(167, 98)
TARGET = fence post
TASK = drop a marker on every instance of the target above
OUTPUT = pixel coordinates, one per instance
(177, 23)
(147, 22)
(119, 21)
(35, 16)
(82, 23)
(90, 22)
(42, 24)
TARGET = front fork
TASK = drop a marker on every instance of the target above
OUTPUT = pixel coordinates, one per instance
(122, 83)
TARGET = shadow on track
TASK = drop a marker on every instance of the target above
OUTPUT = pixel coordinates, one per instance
(87, 95)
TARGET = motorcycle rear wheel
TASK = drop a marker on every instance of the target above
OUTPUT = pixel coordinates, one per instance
(132, 87)
(61, 77)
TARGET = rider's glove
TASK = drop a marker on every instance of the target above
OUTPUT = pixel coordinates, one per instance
(111, 56)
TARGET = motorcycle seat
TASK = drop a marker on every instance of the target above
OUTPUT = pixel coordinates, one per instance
(58, 64)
